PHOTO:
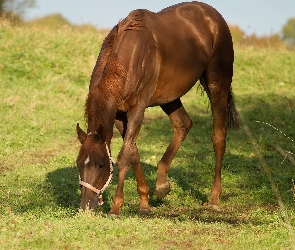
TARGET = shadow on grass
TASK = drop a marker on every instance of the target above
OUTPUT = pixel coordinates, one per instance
(64, 185)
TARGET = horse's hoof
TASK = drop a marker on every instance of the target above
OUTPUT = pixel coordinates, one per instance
(216, 208)
(144, 212)
(163, 190)
(113, 216)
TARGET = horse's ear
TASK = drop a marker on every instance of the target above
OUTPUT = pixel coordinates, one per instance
(81, 134)
(100, 134)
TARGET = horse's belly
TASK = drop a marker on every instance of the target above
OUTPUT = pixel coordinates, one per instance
(175, 82)
(168, 94)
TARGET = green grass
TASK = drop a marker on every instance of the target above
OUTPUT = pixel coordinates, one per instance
(44, 77)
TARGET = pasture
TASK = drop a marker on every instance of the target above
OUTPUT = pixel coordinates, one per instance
(44, 77)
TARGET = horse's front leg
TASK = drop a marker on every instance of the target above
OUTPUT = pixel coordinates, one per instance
(129, 155)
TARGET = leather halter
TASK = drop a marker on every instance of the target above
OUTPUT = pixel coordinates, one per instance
(94, 189)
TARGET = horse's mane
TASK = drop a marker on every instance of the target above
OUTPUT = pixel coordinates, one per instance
(134, 21)
(102, 59)
(110, 70)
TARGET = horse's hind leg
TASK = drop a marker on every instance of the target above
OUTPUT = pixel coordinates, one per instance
(219, 112)
(218, 87)
(181, 125)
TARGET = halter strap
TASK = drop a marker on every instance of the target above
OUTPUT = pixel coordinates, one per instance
(94, 189)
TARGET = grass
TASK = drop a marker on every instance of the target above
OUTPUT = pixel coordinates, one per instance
(44, 77)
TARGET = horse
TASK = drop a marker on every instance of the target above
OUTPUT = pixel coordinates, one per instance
(152, 59)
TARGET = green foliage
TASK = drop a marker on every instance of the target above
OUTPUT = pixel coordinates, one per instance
(44, 77)
(288, 31)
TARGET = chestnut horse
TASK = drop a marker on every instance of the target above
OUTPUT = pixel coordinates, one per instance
(153, 59)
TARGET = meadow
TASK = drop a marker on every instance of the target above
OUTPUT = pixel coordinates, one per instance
(44, 78)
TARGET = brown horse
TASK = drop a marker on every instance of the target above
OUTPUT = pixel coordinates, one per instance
(152, 59)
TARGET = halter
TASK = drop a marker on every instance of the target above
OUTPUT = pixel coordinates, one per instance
(94, 189)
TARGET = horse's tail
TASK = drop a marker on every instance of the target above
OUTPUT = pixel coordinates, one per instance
(233, 118)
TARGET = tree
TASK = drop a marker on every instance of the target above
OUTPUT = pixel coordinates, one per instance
(288, 31)
(15, 7)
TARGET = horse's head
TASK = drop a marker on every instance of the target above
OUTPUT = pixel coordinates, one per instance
(95, 166)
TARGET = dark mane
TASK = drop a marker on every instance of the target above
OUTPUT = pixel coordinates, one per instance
(94, 107)
(102, 59)
(111, 88)
(134, 21)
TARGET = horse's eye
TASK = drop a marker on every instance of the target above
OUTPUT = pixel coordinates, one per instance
(101, 165)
